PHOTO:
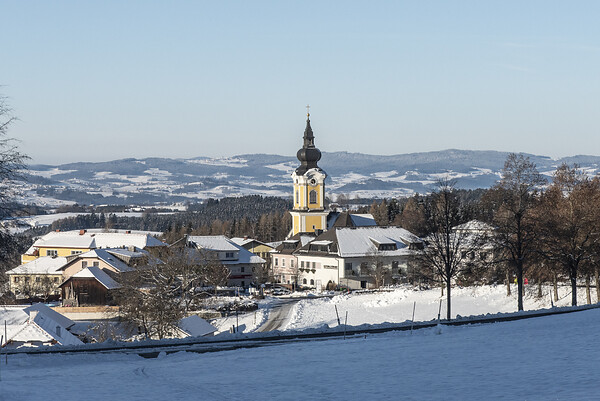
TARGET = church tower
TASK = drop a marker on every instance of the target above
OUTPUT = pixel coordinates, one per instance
(308, 214)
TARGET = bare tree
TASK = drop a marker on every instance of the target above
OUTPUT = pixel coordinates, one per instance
(12, 163)
(570, 224)
(155, 297)
(448, 251)
(376, 268)
(514, 199)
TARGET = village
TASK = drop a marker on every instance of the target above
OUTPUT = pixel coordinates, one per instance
(95, 285)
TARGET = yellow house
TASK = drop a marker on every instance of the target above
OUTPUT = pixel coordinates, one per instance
(309, 214)
(256, 247)
(68, 243)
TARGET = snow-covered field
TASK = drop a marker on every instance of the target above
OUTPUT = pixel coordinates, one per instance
(546, 358)
(397, 305)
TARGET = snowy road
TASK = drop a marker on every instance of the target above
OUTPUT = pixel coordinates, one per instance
(279, 315)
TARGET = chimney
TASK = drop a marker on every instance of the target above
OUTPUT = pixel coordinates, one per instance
(128, 232)
(245, 237)
(81, 232)
(131, 248)
(57, 230)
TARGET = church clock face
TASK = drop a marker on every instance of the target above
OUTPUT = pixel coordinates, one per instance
(313, 182)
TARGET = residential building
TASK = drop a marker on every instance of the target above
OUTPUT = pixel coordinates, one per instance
(285, 262)
(39, 277)
(356, 257)
(68, 243)
(256, 247)
(240, 262)
(34, 326)
(89, 286)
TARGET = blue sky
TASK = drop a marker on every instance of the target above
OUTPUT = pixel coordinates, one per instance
(105, 80)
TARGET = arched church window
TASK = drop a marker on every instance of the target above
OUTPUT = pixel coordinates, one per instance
(312, 196)
(304, 281)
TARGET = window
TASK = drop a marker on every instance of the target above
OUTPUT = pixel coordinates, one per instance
(228, 255)
(243, 283)
(242, 269)
(304, 281)
(51, 252)
(396, 267)
(302, 264)
(312, 282)
(56, 279)
(16, 279)
(314, 265)
(282, 262)
(312, 197)
(84, 264)
(364, 268)
(75, 252)
(348, 265)
(387, 247)
(27, 279)
(276, 262)
(96, 264)
(292, 262)
(38, 279)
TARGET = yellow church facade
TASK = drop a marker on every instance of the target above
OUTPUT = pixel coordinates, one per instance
(309, 214)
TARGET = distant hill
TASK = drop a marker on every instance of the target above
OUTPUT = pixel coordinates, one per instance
(162, 180)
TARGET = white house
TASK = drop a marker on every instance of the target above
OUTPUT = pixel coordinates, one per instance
(34, 326)
(347, 256)
(240, 262)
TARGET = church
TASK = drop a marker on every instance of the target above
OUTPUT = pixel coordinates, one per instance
(309, 214)
(327, 249)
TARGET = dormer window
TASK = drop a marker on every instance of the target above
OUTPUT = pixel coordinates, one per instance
(387, 247)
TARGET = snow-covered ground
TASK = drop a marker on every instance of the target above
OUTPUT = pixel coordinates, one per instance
(396, 306)
(546, 358)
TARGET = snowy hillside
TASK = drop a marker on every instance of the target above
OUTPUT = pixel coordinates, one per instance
(396, 306)
(545, 358)
(155, 180)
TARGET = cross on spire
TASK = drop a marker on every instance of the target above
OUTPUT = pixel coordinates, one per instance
(308, 110)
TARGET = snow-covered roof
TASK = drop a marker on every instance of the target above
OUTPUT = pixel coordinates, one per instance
(213, 242)
(220, 243)
(52, 314)
(90, 240)
(244, 257)
(36, 323)
(108, 258)
(195, 326)
(119, 231)
(321, 242)
(358, 241)
(347, 219)
(363, 220)
(42, 265)
(98, 274)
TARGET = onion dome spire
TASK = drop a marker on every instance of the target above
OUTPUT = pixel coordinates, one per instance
(308, 155)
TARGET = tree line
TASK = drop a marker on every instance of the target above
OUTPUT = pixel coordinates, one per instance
(546, 231)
